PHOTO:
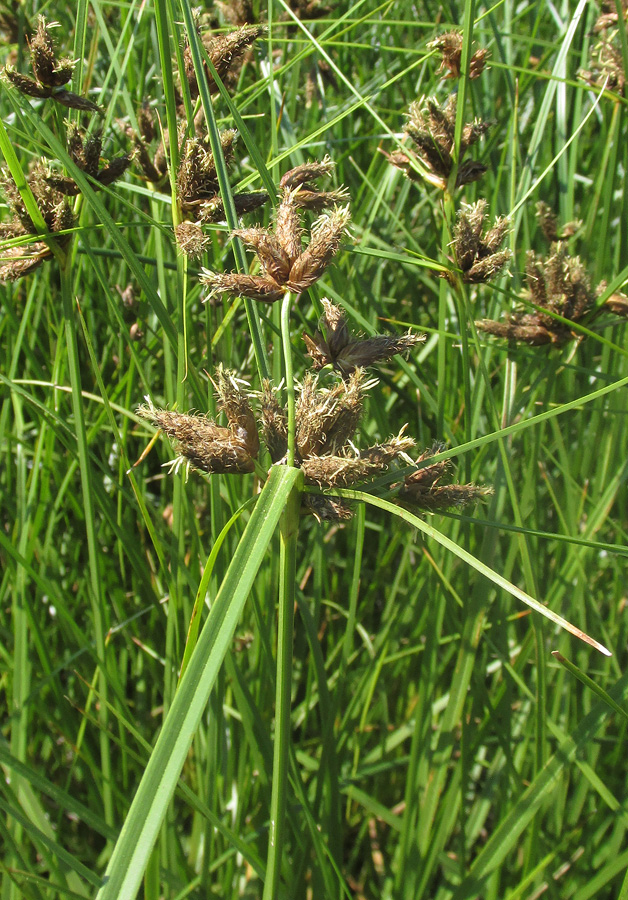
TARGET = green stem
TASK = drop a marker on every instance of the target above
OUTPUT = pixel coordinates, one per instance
(287, 361)
(100, 626)
(289, 528)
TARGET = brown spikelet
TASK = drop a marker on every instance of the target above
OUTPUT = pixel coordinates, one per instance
(286, 266)
(225, 52)
(477, 250)
(432, 131)
(421, 489)
(255, 287)
(50, 72)
(274, 426)
(326, 236)
(191, 239)
(333, 344)
(235, 404)
(202, 443)
(450, 47)
(288, 228)
(351, 468)
(326, 419)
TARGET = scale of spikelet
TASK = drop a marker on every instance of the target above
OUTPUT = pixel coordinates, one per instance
(333, 344)
(50, 72)
(431, 129)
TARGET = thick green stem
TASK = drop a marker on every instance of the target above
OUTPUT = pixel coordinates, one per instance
(287, 362)
(289, 528)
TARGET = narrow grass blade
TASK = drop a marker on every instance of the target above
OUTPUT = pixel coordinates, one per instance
(470, 560)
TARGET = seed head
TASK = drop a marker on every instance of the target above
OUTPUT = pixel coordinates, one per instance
(326, 419)
(226, 52)
(274, 426)
(560, 286)
(191, 239)
(202, 443)
(85, 153)
(477, 249)
(352, 467)
(197, 180)
(422, 489)
(549, 224)
(432, 131)
(285, 265)
(235, 404)
(301, 182)
(50, 72)
(450, 47)
(23, 258)
(333, 344)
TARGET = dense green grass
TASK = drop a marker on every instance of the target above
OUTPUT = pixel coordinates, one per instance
(426, 744)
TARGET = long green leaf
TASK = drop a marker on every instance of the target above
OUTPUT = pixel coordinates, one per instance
(136, 841)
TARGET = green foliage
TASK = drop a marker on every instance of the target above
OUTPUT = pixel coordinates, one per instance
(416, 738)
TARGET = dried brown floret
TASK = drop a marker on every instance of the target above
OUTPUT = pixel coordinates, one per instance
(609, 17)
(21, 259)
(305, 194)
(286, 266)
(85, 153)
(549, 224)
(476, 248)
(351, 468)
(450, 47)
(191, 239)
(559, 286)
(235, 404)
(607, 65)
(202, 443)
(326, 419)
(197, 180)
(214, 210)
(274, 425)
(225, 51)
(432, 131)
(333, 344)
(50, 72)
(422, 489)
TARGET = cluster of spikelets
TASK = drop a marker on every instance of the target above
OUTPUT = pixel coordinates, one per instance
(50, 73)
(431, 129)
(22, 254)
(560, 289)
(327, 419)
(285, 265)
(196, 181)
(607, 61)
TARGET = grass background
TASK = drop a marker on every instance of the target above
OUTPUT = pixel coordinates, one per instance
(438, 749)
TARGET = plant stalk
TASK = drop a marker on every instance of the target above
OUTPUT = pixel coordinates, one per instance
(289, 527)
